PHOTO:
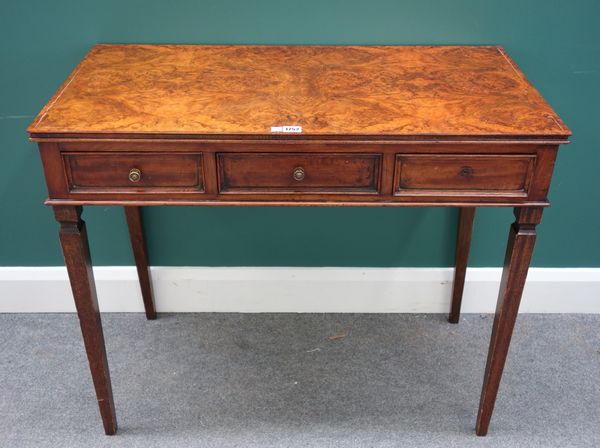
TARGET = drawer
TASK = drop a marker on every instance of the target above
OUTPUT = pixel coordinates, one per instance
(133, 171)
(459, 173)
(291, 172)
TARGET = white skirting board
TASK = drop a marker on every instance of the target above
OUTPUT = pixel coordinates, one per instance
(299, 290)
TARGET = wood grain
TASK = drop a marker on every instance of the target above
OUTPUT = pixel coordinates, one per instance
(93, 171)
(521, 240)
(135, 224)
(341, 172)
(422, 173)
(201, 91)
(76, 251)
(321, 172)
(466, 217)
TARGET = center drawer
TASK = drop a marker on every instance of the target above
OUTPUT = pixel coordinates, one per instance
(298, 172)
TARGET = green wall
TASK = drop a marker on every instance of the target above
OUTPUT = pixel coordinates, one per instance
(556, 43)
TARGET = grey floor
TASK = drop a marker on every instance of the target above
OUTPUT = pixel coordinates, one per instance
(280, 380)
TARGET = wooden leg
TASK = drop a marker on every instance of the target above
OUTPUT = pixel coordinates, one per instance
(73, 238)
(463, 244)
(138, 244)
(516, 263)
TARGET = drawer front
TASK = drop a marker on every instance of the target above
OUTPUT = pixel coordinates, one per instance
(135, 172)
(291, 172)
(508, 175)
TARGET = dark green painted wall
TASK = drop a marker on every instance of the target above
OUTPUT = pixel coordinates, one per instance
(556, 43)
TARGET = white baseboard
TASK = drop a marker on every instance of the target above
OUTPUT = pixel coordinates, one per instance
(302, 290)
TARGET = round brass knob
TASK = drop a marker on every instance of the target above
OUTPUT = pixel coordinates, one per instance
(298, 173)
(135, 175)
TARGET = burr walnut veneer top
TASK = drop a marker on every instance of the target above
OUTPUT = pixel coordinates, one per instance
(399, 92)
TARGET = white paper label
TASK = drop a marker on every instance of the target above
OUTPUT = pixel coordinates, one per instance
(294, 129)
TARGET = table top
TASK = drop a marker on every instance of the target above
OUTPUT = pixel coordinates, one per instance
(394, 92)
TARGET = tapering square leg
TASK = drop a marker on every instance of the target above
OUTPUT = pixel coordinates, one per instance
(463, 245)
(140, 253)
(516, 264)
(74, 242)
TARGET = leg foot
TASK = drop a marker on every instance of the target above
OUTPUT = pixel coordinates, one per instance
(138, 244)
(516, 263)
(463, 244)
(74, 242)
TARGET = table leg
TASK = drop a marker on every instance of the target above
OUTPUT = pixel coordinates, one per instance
(516, 263)
(73, 238)
(463, 244)
(138, 244)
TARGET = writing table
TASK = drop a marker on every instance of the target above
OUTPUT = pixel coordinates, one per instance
(447, 126)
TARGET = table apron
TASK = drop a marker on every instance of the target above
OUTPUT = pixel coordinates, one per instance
(298, 173)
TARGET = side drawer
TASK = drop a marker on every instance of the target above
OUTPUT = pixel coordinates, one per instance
(298, 172)
(492, 174)
(133, 172)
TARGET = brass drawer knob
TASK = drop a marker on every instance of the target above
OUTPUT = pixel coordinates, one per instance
(466, 172)
(298, 173)
(135, 175)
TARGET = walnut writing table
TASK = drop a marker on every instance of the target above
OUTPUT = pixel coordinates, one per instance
(138, 125)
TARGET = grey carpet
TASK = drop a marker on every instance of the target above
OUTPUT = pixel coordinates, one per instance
(277, 380)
